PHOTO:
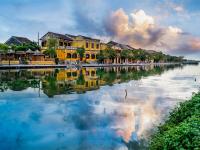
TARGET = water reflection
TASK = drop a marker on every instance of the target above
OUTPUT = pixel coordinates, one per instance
(65, 81)
(84, 109)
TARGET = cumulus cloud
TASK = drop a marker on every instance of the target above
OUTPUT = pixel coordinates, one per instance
(137, 28)
(141, 30)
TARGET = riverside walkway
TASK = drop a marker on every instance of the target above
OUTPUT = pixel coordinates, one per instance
(21, 66)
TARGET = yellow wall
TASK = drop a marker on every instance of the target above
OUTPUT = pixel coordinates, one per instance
(62, 54)
(81, 42)
(5, 62)
(78, 42)
(103, 46)
(41, 63)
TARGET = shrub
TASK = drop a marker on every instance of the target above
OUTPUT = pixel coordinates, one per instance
(182, 129)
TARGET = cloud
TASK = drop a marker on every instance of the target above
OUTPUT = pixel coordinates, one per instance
(141, 31)
(175, 7)
(138, 29)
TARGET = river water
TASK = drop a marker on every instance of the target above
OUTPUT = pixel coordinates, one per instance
(89, 108)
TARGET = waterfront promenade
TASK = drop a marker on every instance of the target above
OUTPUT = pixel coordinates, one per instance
(21, 66)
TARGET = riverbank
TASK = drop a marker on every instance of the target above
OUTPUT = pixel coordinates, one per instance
(83, 65)
(182, 129)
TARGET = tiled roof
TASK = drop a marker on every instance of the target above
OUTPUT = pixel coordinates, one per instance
(88, 38)
(17, 40)
(22, 39)
(57, 35)
(121, 46)
(84, 37)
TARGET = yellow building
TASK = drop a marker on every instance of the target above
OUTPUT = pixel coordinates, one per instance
(68, 44)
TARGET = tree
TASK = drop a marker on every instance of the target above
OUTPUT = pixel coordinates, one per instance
(52, 45)
(81, 52)
(101, 56)
(24, 47)
(125, 54)
(110, 53)
(158, 57)
(3, 49)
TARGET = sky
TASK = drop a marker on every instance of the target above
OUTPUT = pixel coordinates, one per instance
(170, 26)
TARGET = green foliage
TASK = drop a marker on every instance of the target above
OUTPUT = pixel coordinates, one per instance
(52, 45)
(182, 129)
(80, 80)
(125, 54)
(110, 53)
(24, 47)
(50, 52)
(100, 56)
(3, 47)
(80, 52)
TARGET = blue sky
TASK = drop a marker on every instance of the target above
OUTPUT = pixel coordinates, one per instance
(171, 26)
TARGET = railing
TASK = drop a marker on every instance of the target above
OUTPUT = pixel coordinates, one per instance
(67, 47)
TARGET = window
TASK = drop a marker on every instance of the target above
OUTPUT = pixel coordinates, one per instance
(69, 44)
(74, 74)
(69, 74)
(69, 55)
(43, 43)
(60, 43)
(86, 84)
(87, 56)
(92, 45)
(74, 55)
(97, 46)
(93, 56)
(93, 73)
(87, 44)
(87, 73)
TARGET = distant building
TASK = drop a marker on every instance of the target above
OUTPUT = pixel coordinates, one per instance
(119, 46)
(14, 40)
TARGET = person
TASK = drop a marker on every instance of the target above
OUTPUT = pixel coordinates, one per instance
(126, 93)
(20, 60)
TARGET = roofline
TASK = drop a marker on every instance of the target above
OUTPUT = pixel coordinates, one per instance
(57, 34)
(14, 38)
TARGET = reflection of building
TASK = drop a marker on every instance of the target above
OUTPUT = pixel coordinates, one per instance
(82, 80)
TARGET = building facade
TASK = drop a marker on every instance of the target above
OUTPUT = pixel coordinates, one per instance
(67, 45)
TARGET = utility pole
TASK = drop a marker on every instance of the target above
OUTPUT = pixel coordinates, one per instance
(38, 39)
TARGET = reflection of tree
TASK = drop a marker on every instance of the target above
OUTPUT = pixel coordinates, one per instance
(109, 77)
(19, 85)
(80, 80)
(132, 73)
(137, 145)
(51, 87)
(23, 79)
